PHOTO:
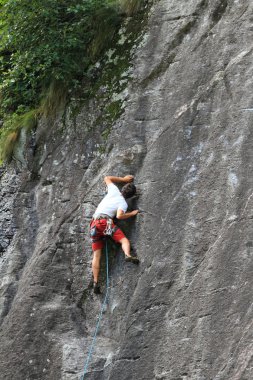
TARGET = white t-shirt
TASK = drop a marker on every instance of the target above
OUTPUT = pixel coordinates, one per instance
(113, 201)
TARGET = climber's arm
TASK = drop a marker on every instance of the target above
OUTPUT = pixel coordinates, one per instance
(111, 179)
(125, 215)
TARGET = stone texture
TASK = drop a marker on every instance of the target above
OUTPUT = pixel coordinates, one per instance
(186, 134)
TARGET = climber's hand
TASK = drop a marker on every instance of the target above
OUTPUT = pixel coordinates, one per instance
(128, 178)
(121, 215)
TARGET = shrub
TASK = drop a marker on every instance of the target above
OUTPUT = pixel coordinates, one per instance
(45, 41)
(47, 48)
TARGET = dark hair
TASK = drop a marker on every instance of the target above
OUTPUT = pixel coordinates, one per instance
(128, 190)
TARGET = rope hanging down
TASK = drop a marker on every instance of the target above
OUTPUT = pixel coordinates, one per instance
(99, 317)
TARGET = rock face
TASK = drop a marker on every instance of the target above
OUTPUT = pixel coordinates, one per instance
(186, 134)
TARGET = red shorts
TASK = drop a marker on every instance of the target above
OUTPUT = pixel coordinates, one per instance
(97, 235)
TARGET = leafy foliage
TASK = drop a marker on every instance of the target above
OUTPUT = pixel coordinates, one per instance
(50, 40)
(47, 49)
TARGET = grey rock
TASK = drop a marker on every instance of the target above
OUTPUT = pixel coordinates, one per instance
(186, 134)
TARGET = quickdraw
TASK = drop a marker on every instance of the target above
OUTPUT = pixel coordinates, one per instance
(108, 229)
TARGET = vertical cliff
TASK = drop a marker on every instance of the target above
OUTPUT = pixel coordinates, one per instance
(185, 133)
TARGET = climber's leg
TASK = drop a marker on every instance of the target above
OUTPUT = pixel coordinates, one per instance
(97, 237)
(120, 237)
(126, 247)
(96, 264)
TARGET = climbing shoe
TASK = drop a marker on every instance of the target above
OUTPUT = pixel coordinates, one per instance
(132, 259)
(96, 288)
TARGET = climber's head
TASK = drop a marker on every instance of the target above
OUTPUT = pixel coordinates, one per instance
(128, 190)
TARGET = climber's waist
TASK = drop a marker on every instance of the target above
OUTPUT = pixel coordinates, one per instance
(101, 216)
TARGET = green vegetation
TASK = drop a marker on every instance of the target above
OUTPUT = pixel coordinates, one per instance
(48, 49)
(11, 130)
(131, 6)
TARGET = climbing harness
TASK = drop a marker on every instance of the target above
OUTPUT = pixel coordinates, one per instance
(108, 231)
(99, 317)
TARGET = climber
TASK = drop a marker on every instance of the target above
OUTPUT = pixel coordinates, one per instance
(113, 204)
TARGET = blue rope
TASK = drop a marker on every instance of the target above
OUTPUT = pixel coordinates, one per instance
(99, 317)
